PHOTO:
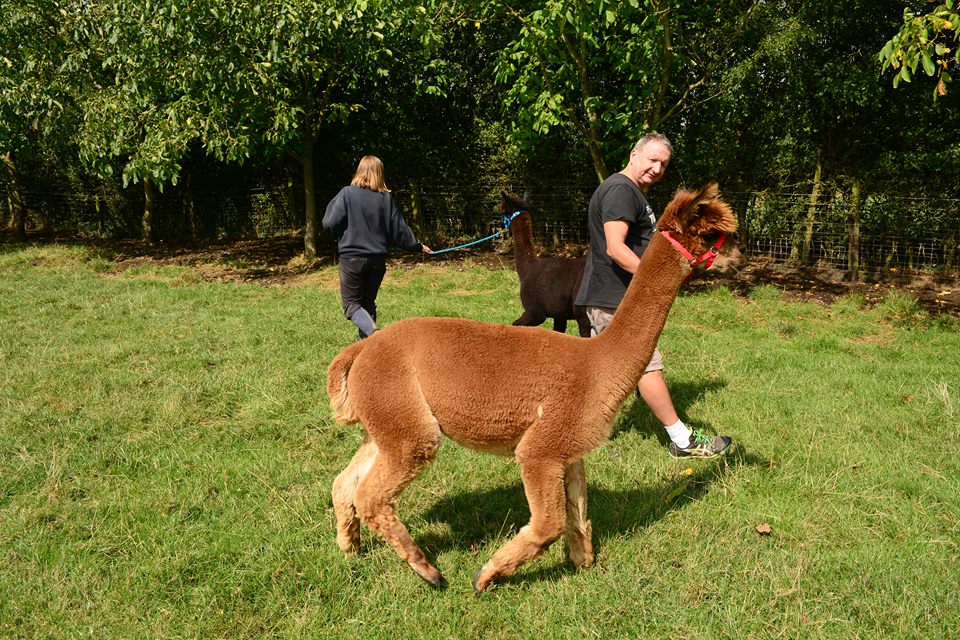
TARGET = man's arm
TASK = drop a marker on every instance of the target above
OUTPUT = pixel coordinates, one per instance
(615, 232)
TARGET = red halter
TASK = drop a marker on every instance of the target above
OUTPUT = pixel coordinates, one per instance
(707, 256)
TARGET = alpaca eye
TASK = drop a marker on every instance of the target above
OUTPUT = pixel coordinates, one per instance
(712, 237)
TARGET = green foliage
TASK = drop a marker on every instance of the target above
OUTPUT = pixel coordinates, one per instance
(611, 70)
(37, 112)
(928, 39)
(138, 117)
(95, 97)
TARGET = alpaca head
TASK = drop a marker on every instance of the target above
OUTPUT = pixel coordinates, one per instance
(510, 204)
(698, 220)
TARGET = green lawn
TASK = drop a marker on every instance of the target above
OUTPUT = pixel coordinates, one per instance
(166, 457)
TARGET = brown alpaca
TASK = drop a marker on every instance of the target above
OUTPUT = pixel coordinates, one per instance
(544, 397)
(547, 285)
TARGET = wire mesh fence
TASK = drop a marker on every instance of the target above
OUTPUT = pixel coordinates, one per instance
(833, 230)
(878, 232)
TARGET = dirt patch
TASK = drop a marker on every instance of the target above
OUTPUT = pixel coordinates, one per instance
(279, 261)
(936, 293)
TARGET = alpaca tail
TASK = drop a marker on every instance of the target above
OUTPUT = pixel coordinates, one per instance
(337, 372)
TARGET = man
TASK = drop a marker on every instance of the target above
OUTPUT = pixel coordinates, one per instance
(622, 224)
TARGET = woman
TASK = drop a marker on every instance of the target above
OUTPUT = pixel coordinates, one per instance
(366, 221)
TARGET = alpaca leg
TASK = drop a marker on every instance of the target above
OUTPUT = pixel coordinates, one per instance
(391, 472)
(579, 530)
(543, 485)
(560, 324)
(583, 326)
(344, 488)
(530, 319)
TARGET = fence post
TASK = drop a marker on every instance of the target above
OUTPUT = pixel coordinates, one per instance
(416, 208)
(149, 207)
(812, 211)
(853, 250)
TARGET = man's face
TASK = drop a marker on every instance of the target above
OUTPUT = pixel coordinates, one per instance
(649, 163)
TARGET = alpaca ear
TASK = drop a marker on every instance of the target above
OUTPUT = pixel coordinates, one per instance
(690, 212)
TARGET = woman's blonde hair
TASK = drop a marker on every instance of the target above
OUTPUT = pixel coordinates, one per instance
(369, 174)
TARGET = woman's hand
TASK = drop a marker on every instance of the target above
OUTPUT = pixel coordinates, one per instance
(426, 249)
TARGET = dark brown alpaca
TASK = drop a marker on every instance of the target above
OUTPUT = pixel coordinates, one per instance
(543, 397)
(547, 285)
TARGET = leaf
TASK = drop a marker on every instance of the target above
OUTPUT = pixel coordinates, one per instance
(764, 529)
(677, 490)
(928, 66)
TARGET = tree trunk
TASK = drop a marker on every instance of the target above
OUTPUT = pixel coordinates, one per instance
(18, 217)
(592, 131)
(812, 211)
(593, 144)
(149, 209)
(654, 116)
(853, 252)
(309, 195)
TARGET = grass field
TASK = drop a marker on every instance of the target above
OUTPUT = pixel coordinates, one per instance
(166, 457)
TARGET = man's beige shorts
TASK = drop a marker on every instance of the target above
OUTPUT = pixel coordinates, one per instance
(600, 317)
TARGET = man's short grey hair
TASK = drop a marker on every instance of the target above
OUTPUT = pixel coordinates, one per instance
(654, 137)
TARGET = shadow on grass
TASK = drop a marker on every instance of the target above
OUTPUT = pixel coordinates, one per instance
(477, 518)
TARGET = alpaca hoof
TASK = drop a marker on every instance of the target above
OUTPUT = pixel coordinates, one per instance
(430, 575)
(349, 545)
(581, 560)
(480, 584)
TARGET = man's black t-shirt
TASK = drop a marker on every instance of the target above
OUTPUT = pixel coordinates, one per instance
(618, 198)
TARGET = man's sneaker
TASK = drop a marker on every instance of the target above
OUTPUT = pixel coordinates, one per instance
(701, 446)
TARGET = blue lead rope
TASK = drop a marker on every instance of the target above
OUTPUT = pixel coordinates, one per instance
(506, 227)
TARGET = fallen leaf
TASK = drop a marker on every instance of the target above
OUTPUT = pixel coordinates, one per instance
(907, 399)
(687, 472)
(764, 529)
(676, 491)
(944, 293)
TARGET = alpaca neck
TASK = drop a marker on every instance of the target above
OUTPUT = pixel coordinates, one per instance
(523, 249)
(628, 342)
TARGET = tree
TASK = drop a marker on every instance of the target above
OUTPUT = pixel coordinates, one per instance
(928, 38)
(35, 106)
(285, 69)
(139, 115)
(613, 70)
